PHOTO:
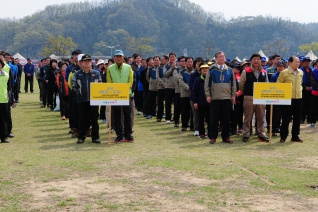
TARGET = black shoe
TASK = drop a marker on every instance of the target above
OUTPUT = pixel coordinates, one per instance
(17, 101)
(96, 141)
(302, 121)
(263, 139)
(184, 129)
(26, 91)
(296, 139)
(245, 139)
(4, 140)
(119, 139)
(80, 141)
(32, 91)
(11, 135)
(129, 138)
(176, 125)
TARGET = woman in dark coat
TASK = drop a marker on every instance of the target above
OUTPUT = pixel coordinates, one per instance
(50, 80)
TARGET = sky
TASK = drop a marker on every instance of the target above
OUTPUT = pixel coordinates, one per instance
(301, 11)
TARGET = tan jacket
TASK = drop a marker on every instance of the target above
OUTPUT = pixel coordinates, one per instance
(184, 87)
(288, 76)
(168, 72)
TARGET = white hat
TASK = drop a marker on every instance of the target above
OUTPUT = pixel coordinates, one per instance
(100, 61)
(79, 57)
(106, 61)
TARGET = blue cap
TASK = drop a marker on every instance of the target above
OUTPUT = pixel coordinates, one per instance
(119, 52)
(263, 59)
(301, 58)
(281, 63)
(228, 60)
(286, 60)
(306, 58)
(28, 58)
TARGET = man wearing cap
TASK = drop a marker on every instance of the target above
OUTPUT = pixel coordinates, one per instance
(306, 93)
(220, 92)
(263, 63)
(72, 100)
(254, 73)
(42, 75)
(120, 72)
(86, 113)
(294, 76)
(29, 72)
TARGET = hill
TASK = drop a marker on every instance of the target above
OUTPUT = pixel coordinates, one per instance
(172, 25)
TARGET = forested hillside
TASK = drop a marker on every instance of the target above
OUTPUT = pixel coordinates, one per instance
(167, 25)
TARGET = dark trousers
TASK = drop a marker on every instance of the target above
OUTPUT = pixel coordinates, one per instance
(152, 102)
(27, 80)
(87, 114)
(136, 97)
(276, 117)
(235, 117)
(185, 111)
(127, 120)
(40, 87)
(169, 95)
(64, 106)
(9, 119)
(160, 99)
(145, 106)
(50, 97)
(314, 109)
(140, 101)
(306, 105)
(220, 110)
(204, 116)
(102, 112)
(44, 93)
(4, 120)
(177, 105)
(289, 111)
(73, 110)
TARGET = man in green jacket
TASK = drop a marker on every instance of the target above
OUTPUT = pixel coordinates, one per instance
(119, 72)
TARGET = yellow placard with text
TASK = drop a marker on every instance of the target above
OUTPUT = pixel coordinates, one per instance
(272, 93)
(109, 94)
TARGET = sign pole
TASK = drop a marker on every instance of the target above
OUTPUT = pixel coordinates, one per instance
(271, 125)
(109, 125)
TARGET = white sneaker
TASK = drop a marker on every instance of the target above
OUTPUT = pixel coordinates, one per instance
(168, 122)
(196, 133)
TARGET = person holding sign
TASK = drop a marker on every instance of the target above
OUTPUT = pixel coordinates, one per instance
(86, 113)
(120, 72)
(294, 76)
(254, 73)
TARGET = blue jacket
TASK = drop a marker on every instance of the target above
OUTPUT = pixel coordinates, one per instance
(29, 69)
(274, 77)
(197, 94)
(81, 83)
(71, 68)
(193, 76)
(140, 85)
(306, 77)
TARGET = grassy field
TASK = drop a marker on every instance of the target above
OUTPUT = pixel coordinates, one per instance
(43, 169)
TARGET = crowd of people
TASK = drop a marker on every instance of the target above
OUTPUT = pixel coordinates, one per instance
(205, 96)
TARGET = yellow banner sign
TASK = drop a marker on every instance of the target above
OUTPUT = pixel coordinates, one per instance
(109, 94)
(272, 93)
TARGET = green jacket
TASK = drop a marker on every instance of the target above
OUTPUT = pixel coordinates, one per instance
(122, 74)
(4, 85)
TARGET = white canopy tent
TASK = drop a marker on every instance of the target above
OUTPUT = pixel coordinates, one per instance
(311, 55)
(238, 59)
(19, 56)
(53, 56)
(262, 54)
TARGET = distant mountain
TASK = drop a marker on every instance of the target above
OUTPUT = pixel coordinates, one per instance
(174, 25)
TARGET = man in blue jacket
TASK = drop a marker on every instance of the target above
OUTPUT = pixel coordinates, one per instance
(29, 75)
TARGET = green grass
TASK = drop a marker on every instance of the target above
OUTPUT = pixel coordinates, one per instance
(43, 169)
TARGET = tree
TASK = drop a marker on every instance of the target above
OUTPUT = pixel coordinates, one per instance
(58, 45)
(208, 48)
(278, 46)
(140, 46)
(310, 46)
